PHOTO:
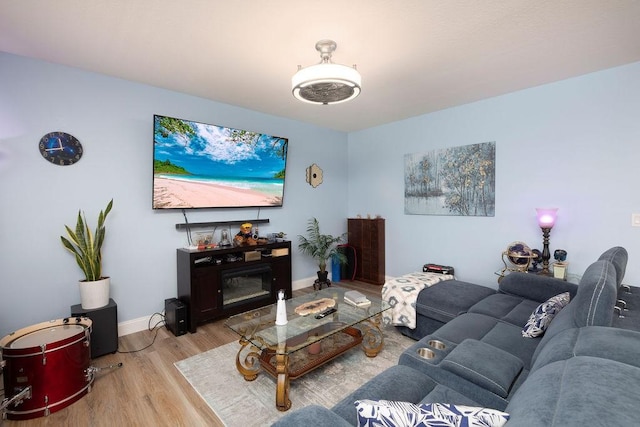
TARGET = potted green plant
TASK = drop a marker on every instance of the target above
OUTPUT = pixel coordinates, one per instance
(87, 246)
(321, 247)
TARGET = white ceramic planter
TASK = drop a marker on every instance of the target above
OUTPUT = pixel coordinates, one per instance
(94, 294)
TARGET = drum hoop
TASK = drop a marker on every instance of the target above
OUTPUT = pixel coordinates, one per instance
(53, 405)
(68, 321)
(36, 353)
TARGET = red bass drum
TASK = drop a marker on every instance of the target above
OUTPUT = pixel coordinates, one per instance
(53, 358)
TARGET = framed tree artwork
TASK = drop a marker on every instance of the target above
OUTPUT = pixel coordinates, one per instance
(451, 181)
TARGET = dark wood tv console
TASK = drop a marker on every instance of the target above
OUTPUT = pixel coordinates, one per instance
(219, 282)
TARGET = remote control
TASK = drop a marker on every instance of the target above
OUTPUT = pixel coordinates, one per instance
(326, 313)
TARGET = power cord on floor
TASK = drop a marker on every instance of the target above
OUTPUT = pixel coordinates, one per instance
(155, 328)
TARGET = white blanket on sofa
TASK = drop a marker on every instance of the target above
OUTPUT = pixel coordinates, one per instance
(402, 293)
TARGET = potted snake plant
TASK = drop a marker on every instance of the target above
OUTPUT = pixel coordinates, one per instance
(87, 248)
(321, 247)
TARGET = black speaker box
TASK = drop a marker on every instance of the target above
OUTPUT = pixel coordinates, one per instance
(175, 316)
(104, 328)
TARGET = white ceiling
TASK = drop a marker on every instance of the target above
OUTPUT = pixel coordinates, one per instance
(415, 56)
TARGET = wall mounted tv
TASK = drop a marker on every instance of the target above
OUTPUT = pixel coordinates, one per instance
(196, 165)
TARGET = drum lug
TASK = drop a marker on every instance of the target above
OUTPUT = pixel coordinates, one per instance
(85, 343)
(89, 373)
(43, 348)
(46, 406)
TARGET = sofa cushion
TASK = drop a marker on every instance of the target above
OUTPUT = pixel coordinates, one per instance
(395, 383)
(621, 345)
(468, 325)
(393, 413)
(581, 391)
(442, 393)
(544, 314)
(509, 308)
(482, 364)
(500, 334)
(446, 300)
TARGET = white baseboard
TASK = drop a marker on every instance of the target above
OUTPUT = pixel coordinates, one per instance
(142, 323)
(134, 325)
(302, 283)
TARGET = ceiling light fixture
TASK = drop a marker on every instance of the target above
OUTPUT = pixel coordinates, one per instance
(326, 82)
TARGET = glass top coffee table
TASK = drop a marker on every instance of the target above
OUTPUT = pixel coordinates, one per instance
(306, 341)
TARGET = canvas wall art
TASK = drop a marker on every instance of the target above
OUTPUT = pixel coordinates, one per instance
(451, 181)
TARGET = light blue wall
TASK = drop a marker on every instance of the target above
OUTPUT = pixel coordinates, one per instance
(113, 120)
(574, 145)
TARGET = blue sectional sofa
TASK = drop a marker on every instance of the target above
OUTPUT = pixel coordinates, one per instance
(581, 371)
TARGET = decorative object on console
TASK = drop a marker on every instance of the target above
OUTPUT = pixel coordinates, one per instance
(560, 255)
(535, 262)
(60, 148)
(86, 246)
(245, 236)
(204, 239)
(560, 266)
(321, 247)
(314, 175)
(517, 257)
(546, 220)
(224, 238)
(326, 82)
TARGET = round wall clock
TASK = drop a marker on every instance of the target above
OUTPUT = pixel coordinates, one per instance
(60, 148)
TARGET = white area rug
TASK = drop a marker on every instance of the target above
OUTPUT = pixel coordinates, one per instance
(237, 402)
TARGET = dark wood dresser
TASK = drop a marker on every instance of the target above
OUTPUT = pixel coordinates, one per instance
(367, 237)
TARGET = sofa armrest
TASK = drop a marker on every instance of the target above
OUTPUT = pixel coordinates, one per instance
(535, 287)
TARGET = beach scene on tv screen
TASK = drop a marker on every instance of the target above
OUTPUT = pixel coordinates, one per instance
(198, 165)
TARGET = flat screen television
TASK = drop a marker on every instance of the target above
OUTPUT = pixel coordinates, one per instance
(197, 165)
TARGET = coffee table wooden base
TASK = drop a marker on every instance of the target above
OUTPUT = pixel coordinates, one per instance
(373, 338)
(283, 403)
(277, 362)
(249, 365)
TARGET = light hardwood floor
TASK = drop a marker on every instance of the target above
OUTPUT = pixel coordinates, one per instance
(148, 390)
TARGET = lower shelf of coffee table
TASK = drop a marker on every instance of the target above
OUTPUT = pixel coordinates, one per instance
(303, 361)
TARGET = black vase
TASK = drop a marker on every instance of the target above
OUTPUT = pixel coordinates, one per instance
(322, 276)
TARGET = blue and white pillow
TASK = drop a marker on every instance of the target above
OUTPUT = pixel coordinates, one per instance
(385, 413)
(544, 314)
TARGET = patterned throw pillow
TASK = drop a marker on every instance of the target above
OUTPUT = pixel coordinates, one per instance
(385, 413)
(543, 315)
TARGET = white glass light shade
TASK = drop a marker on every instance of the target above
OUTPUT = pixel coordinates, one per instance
(326, 83)
(546, 217)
